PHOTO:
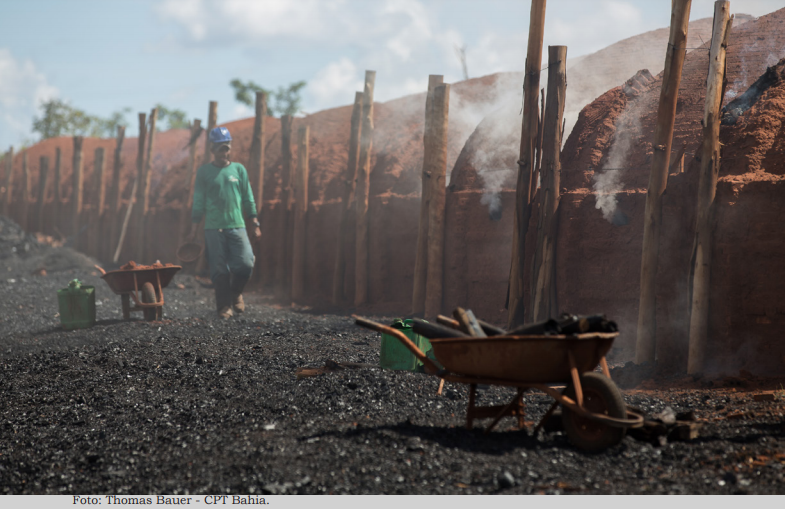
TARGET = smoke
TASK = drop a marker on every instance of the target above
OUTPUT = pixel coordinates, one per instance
(609, 182)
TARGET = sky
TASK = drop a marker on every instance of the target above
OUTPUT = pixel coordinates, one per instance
(102, 56)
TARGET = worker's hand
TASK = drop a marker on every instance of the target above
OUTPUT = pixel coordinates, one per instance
(192, 232)
(257, 233)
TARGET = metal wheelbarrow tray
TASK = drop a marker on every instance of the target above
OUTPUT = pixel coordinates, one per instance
(594, 414)
(142, 285)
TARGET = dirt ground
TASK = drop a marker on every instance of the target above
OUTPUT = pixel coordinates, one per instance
(196, 405)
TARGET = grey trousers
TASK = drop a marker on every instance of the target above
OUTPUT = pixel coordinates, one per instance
(230, 258)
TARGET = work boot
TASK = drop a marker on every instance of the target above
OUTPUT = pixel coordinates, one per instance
(225, 313)
(237, 304)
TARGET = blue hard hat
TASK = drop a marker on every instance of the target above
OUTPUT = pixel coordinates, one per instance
(220, 135)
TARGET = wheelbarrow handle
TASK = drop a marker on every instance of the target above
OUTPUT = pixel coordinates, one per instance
(428, 364)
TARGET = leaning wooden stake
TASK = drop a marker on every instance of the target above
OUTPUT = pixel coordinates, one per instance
(531, 88)
(143, 198)
(190, 179)
(9, 181)
(421, 255)
(345, 238)
(57, 193)
(99, 200)
(548, 196)
(134, 191)
(24, 199)
(43, 174)
(707, 189)
(362, 193)
(77, 190)
(300, 213)
(437, 163)
(658, 179)
(114, 199)
(284, 254)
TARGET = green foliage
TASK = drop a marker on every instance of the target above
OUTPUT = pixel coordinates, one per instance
(175, 119)
(284, 101)
(58, 118)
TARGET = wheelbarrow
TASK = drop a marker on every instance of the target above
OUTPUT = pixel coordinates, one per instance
(144, 286)
(594, 414)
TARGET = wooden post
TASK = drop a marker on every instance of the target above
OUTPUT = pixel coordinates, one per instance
(300, 212)
(190, 179)
(362, 192)
(658, 179)
(43, 174)
(284, 254)
(531, 88)
(57, 198)
(77, 190)
(99, 199)
(134, 198)
(707, 189)
(115, 196)
(24, 202)
(340, 289)
(548, 198)
(212, 121)
(9, 181)
(421, 255)
(437, 164)
(143, 198)
(256, 164)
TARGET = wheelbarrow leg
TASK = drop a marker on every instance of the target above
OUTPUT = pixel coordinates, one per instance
(576, 380)
(516, 401)
(126, 302)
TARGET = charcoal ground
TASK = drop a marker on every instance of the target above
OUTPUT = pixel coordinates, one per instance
(193, 404)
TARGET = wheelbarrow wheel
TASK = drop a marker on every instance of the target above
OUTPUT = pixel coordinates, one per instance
(148, 297)
(600, 396)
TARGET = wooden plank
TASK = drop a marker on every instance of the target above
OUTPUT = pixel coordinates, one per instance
(421, 255)
(658, 179)
(544, 270)
(362, 193)
(300, 213)
(523, 192)
(345, 238)
(707, 190)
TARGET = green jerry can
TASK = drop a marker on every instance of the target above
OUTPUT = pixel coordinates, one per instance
(395, 355)
(77, 306)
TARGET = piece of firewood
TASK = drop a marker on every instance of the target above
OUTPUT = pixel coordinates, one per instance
(468, 322)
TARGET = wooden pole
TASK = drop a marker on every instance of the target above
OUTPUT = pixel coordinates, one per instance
(421, 255)
(658, 179)
(77, 190)
(362, 192)
(437, 164)
(115, 199)
(531, 88)
(57, 193)
(284, 255)
(707, 189)
(99, 199)
(134, 198)
(300, 212)
(190, 179)
(24, 202)
(538, 149)
(340, 288)
(212, 121)
(256, 164)
(9, 181)
(43, 174)
(548, 197)
(143, 198)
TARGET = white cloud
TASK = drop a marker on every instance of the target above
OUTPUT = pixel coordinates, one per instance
(331, 84)
(22, 90)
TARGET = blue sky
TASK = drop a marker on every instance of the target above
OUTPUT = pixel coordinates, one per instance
(102, 56)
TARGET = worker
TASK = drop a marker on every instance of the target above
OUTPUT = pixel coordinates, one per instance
(223, 197)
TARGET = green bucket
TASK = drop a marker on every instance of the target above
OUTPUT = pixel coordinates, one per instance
(77, 306)
(394, 355)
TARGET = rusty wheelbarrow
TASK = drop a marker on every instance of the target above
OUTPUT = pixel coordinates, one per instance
(594, 414)
(143, 285)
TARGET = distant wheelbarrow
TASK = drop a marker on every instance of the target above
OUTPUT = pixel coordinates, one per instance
(594, 415)
(144, 286)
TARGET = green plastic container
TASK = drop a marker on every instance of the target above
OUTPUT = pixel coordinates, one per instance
(396, 356)
(77, 306)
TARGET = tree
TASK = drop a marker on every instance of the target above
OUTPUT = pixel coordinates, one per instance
(284, 101)
(175, 119)
(61, 119)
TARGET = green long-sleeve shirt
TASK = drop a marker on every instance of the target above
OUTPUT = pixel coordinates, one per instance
(222, 196)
